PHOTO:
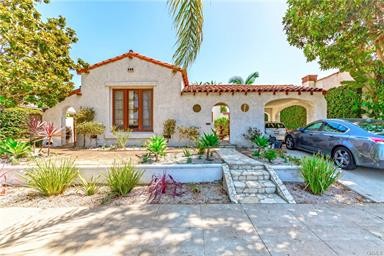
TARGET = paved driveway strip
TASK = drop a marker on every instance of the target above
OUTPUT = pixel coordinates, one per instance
(253, 229)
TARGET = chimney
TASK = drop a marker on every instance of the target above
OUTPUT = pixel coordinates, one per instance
(309, 80)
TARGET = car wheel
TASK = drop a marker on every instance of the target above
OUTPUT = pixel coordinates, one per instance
(343, 158)
(289, 142)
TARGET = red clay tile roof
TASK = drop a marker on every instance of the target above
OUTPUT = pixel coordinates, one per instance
(221, 88)
(76, 91)
(132, 54)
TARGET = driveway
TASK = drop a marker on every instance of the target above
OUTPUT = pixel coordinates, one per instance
(259, 229)
(368, 182)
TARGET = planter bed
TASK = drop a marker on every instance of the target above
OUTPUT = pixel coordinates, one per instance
(16, 196)
(336, 194)
(278, 161)
(135, 155)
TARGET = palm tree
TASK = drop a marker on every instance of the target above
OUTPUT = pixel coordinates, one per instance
(188, 21)
(239, 80)
(212, 82)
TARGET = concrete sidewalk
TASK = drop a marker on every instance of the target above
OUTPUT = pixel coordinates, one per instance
(276, 229)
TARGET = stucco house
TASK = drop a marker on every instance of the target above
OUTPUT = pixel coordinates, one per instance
(140, 93)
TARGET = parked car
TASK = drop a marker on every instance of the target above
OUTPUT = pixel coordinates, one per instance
(275, 129)
(350, 142)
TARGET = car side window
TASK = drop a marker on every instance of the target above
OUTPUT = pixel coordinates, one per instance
(334, 127)
(314, 127)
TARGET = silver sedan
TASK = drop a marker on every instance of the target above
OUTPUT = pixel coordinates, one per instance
(350, 142)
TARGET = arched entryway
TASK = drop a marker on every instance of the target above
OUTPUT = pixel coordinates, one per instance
(292, 112)
(69, 127)
(221, 121)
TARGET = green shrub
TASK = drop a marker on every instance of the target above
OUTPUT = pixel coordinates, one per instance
(14, 122)
(157, 145)
(89, 187)
(14, 149)
(209, 141)
(252, 133)
(270, 155)
(343, 102)
(122, 137)
(294, 117)
(85, 114)
(319, 173)
(123, 178)
(90, 128)
(221, 125)
(169, 128)
(52, 178)
(190, 134)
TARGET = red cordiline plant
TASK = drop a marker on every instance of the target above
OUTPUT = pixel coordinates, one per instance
(48, 131)
(35, 126)
(159, 186)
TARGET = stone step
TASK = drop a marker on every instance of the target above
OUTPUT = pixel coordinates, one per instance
(246, 167)
(255, 187)
(244, 175)
(261, 198)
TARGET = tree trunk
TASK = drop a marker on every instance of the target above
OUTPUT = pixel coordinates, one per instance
(208, 153)
(49, 146)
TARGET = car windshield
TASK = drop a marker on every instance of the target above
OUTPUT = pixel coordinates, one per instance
(274, 125)
(370, 125)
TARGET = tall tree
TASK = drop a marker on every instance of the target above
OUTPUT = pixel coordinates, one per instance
(34, 55)
(239, 80)
(188, 22)
(343, 34)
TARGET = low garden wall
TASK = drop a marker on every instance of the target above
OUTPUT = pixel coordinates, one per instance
(185, 173)
(288, 173)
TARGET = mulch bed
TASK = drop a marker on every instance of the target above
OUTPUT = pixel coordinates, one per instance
(201, 193)
(336, 194)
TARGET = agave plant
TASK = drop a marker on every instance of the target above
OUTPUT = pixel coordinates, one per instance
(48, 131)
(157, 145)
(209, 141)
(159, 185)
(14, 149)
(261, 142)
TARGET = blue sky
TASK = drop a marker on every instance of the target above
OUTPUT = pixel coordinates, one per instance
(239, 37)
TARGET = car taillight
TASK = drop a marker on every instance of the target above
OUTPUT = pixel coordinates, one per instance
(377, 140)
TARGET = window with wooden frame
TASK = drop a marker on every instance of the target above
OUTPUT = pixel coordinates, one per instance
(132, 109)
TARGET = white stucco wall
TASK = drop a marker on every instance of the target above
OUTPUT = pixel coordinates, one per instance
(168, 102)
(333, 80)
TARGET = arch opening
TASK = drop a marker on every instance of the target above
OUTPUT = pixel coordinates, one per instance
(221, 121)
(292, 112)
(69, 127)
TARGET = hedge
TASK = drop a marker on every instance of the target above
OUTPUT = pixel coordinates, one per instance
(294, 117)
(343, 102)
(14, 122)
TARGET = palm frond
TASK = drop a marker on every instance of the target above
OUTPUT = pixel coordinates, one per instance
(188, 21)
(236, 80)
(251, 78)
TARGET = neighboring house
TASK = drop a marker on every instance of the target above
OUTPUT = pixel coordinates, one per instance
(137, 92)
(327, 82)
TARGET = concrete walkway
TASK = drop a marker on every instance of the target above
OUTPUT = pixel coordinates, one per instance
(274, 229)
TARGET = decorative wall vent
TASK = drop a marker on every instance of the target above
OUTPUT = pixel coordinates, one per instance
(244, 107)
(196, 108)
(131, 70)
